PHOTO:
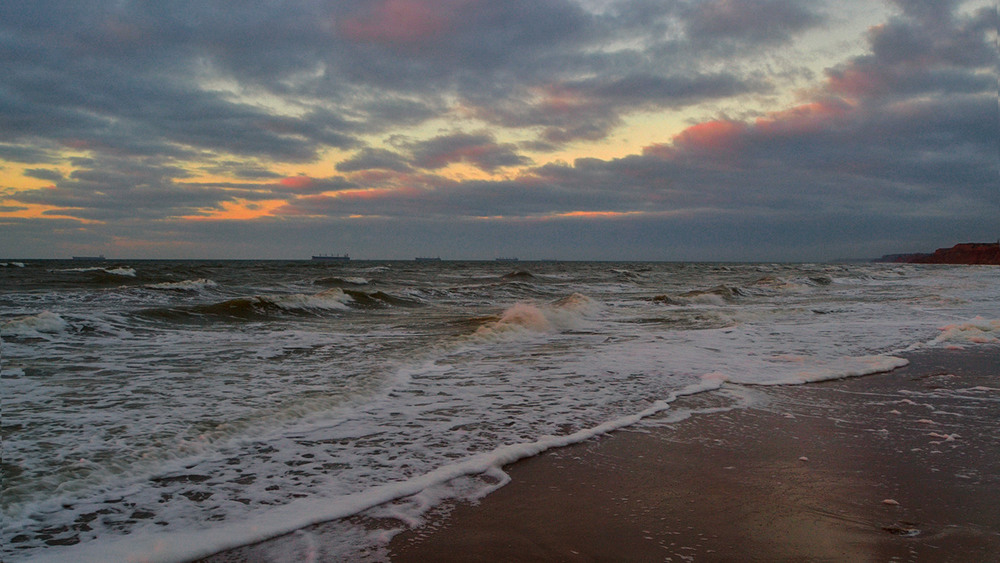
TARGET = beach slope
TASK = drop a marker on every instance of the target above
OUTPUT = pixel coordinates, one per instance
(900, 466)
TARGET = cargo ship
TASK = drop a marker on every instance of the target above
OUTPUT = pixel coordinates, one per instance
(333, 257)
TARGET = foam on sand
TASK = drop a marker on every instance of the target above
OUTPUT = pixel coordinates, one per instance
(193, 544)
(977, 331)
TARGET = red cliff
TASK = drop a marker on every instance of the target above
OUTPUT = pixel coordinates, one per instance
(967, 253)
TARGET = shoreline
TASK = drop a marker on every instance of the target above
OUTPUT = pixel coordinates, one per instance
(808, 473)
(903, 465)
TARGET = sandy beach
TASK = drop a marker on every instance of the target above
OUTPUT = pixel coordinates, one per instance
(900, 466)
(890, 467)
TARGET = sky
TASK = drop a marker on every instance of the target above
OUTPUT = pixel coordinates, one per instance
(700, 130)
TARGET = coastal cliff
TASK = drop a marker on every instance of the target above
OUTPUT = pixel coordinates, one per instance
(966, 253)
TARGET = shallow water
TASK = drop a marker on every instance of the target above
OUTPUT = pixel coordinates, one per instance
(166, 409)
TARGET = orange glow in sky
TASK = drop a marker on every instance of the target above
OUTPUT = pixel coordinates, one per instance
(239, 210)
(38, 211)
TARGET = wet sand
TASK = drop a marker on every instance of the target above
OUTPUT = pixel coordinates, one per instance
(891, 467)
(902, 466)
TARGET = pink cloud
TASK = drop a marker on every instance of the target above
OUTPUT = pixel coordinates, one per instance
(297, 182)
(561, 99)
(401, 22)
(806, 118)
(729, 138)
(856, 80)
(713, 136)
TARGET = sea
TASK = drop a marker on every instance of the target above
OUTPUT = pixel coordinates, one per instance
(167, 410)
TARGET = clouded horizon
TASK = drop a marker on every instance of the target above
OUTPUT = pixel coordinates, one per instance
(559, 129)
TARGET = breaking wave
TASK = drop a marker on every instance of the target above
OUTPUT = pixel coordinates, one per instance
(123, 271)
(34, 326)
(186, 285)
(341, 282)
(378, 299)
(567, 313)
(259, 307)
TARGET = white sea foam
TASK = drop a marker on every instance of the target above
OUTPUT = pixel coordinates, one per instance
(331, 299)
(122, 271)
(186, 285)
(40, 325)
(977, 331)
(787, 371)
(192, 544)
(567, 313)
(119, 271)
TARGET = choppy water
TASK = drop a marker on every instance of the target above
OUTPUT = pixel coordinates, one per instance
(166, 409)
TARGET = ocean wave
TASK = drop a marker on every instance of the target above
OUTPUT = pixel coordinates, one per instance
(257, 307)
(519, 275)
(186, 285)
(34, 326)
(378, 299)
(341, 281)
(11, 264)
(123, 271)
(718, 296)
(689, 319)
(329, 300)
(567, 313)
(265, 306)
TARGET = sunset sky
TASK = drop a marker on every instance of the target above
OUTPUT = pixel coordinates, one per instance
(544, 129)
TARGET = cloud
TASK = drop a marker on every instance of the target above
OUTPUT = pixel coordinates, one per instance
(738, 23)
(139, 102)
(28, 154)
(479, 150)
(923, 144)
(374, 159)
(306, 185)
(43, 174)
(285, 82)
(590, 109)
(109, 189)
(401, 22)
